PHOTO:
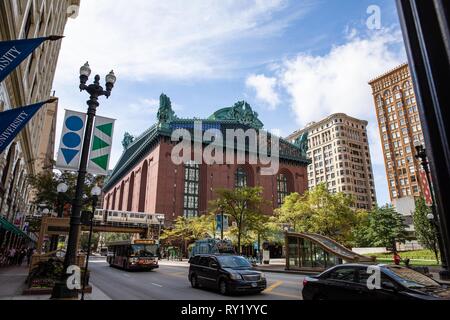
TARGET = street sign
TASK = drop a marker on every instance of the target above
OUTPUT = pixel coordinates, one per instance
(426, 188)
(72, 136)
(101, 146)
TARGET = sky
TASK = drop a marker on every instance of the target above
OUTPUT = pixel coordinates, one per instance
(293, 61)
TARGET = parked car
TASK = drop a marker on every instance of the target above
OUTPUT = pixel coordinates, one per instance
(350, 282)
(227, 273)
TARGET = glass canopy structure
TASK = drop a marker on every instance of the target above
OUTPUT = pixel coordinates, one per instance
(307, 251)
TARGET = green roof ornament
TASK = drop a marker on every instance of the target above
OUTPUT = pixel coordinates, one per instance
(165, 112)
(241, 112)
(302, 143)
(127, 140)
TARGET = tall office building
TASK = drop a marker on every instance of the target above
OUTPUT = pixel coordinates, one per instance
(31, 82)
(400, 130)
(339, 150)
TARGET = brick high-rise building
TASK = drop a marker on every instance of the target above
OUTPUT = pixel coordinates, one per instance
(145, 179)
(400, 129)
(339, 150)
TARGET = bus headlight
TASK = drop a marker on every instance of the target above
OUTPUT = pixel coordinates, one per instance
(133, 260)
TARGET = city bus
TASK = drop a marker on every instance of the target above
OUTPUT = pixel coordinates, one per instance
(133, 254)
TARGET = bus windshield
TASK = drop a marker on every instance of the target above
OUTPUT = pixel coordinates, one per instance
(144, 250)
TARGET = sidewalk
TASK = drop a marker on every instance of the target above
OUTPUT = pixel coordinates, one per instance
(12, 283)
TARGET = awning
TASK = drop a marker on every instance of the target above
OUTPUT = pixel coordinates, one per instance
(8, 226)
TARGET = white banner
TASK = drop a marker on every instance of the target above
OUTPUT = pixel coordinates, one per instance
(100, 152)
(72, 136)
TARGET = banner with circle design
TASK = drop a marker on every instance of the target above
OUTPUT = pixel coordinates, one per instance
(69, 152)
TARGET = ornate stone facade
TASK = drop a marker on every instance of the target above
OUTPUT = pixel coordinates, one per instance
(31, 82)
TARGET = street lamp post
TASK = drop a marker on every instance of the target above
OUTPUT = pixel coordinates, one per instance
(95, 192)
(61, 188)
(422, 156)
(95, 91)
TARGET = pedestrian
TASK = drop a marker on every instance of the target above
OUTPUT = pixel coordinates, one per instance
(397, 258)
(30, 253)
(22, 255)
(11, 256)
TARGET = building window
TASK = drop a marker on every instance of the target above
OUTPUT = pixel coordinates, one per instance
(282, 188)
(191, 189)
(240, 178)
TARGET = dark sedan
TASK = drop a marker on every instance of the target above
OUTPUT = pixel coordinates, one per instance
(227, 273)
(382, 282)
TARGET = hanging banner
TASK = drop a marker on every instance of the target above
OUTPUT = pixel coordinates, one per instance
(100, 152)
(13, 121)
(72, 136)
(12, 53)
(219, 223)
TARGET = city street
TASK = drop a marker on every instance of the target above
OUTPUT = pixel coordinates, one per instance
(170, 281)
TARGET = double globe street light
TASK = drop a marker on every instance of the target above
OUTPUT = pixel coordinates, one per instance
(95, 90)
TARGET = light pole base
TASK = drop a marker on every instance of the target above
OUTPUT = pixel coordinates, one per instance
(61, 292)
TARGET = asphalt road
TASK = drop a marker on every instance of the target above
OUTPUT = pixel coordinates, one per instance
(170, 282)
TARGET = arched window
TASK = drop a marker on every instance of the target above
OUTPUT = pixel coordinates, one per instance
(191, 189)
(282, 188)
(122, 191)
(406, 85)
(130, 193)
(387, 93)
(241, 179)
(143, 187)
(113, 204)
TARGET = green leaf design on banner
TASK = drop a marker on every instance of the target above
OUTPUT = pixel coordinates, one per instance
(98, 144)
(102, 161)
(106, 129)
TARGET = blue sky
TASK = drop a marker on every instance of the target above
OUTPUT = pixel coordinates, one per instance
(294, 61)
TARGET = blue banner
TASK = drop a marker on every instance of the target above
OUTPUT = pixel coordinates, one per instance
(13, 121)
(12, 53)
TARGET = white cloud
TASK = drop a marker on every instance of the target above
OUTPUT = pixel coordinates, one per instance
(337, 82)
(176, 39)
(265, 88)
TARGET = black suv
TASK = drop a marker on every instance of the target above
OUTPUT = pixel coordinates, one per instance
(227, 273)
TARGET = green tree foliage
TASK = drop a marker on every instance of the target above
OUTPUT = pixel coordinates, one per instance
(45, 184)
(111, 237)
(320, 211)
(426, 232)
(382, 228)
(244, 206)
(84, 241)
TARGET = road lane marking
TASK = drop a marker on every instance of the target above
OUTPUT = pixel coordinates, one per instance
(157, 285)
(284, 295)
(273, 286)
(126, 275)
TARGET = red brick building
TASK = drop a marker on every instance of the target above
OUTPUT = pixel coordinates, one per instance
(145, 178)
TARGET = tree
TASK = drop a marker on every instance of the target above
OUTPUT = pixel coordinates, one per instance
(384, 227)
(320, 211)
(84, 239)
(45, 183)
(425, 230)
(244, 206)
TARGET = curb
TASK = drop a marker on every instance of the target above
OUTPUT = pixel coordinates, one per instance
(306, 273)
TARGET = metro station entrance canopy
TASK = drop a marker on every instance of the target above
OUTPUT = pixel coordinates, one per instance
(308, 251)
